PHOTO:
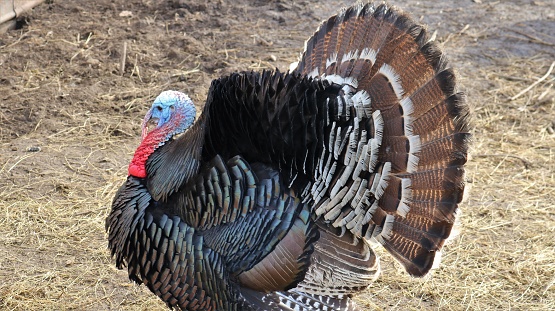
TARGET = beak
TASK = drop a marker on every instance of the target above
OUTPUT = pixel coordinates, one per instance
(149, 124)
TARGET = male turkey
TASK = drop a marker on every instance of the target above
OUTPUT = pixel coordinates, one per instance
(269, 200)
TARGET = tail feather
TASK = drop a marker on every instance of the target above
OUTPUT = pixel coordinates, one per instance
(448, 150)
(415, 155)
(446, 117)
(341, 264)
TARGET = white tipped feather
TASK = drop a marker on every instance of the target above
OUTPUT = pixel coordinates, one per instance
(331, 60)
(363, 141)
(327, 114)
(337, 79)
(332, 137)
(394, 79)
(373, 158)
(321, 162)
(412, 163)
(383, 181)
(340, 222)
(388, 226)
(360, 192)
(351, 150)
(345, 176)
(408, 109)
(345, 140)
(306, 191)
(403, 208)
(370, 212)
(407, 105)
(362, 162)
(304, 161)
(348, 106)
(361, 98)
(329, 176)
(414, 144)
(385, 233)
(369, 54)
(350, 153)
(356, 122)
(314, 188)
(362, 102)
(293, 66)
(355, 224)
(314, 73)
(333, 207)
(352, 191)
(322, 208)
(375, 181)
(351, 55)
(414, 148)
(339, 105)
(337, 144)
(378, 125)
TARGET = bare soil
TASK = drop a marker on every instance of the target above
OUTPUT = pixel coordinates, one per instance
(70, 120)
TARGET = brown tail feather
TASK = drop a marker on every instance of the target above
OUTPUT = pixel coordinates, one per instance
(383, 52)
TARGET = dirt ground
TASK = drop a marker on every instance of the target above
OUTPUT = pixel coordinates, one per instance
(70, 121)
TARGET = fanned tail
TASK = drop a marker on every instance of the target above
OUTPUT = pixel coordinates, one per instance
(409, 130)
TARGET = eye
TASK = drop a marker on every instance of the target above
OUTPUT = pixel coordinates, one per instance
(159, 108)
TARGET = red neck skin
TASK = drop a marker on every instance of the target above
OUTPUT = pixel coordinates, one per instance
(137, 167)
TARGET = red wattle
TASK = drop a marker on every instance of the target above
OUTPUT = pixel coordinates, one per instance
(136, 170)
(137, 167)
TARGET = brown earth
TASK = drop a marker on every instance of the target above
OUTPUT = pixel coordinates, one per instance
(70, 120)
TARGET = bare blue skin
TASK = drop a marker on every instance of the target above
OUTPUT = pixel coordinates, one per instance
(167, 106)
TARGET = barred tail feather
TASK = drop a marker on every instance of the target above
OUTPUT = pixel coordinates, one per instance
(411, 206)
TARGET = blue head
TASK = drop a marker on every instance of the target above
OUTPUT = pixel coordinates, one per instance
(170, 115)
(172, 110)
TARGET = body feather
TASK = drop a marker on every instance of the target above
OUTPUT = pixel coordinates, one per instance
(271, 198)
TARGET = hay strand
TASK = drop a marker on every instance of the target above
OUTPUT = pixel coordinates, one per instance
(535, 83)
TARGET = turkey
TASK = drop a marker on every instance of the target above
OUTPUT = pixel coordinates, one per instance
(271, 198)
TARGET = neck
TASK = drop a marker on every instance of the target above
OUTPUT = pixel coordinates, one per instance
(158, 137)
(137, 167)
(171, 167)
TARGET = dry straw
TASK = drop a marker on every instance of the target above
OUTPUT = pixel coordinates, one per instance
(85, 117)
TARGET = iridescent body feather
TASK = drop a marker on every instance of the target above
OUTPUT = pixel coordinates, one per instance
(270, 199)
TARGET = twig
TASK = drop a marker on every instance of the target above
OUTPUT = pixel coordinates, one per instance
(185, 73)
(496, 225)
(533, 38)
(90, 212)
(465, 28)
(19, 161)
(535, 83)
(75, 55)
(511, 78)
(135, 67)
(123, 57)
(23, 35)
